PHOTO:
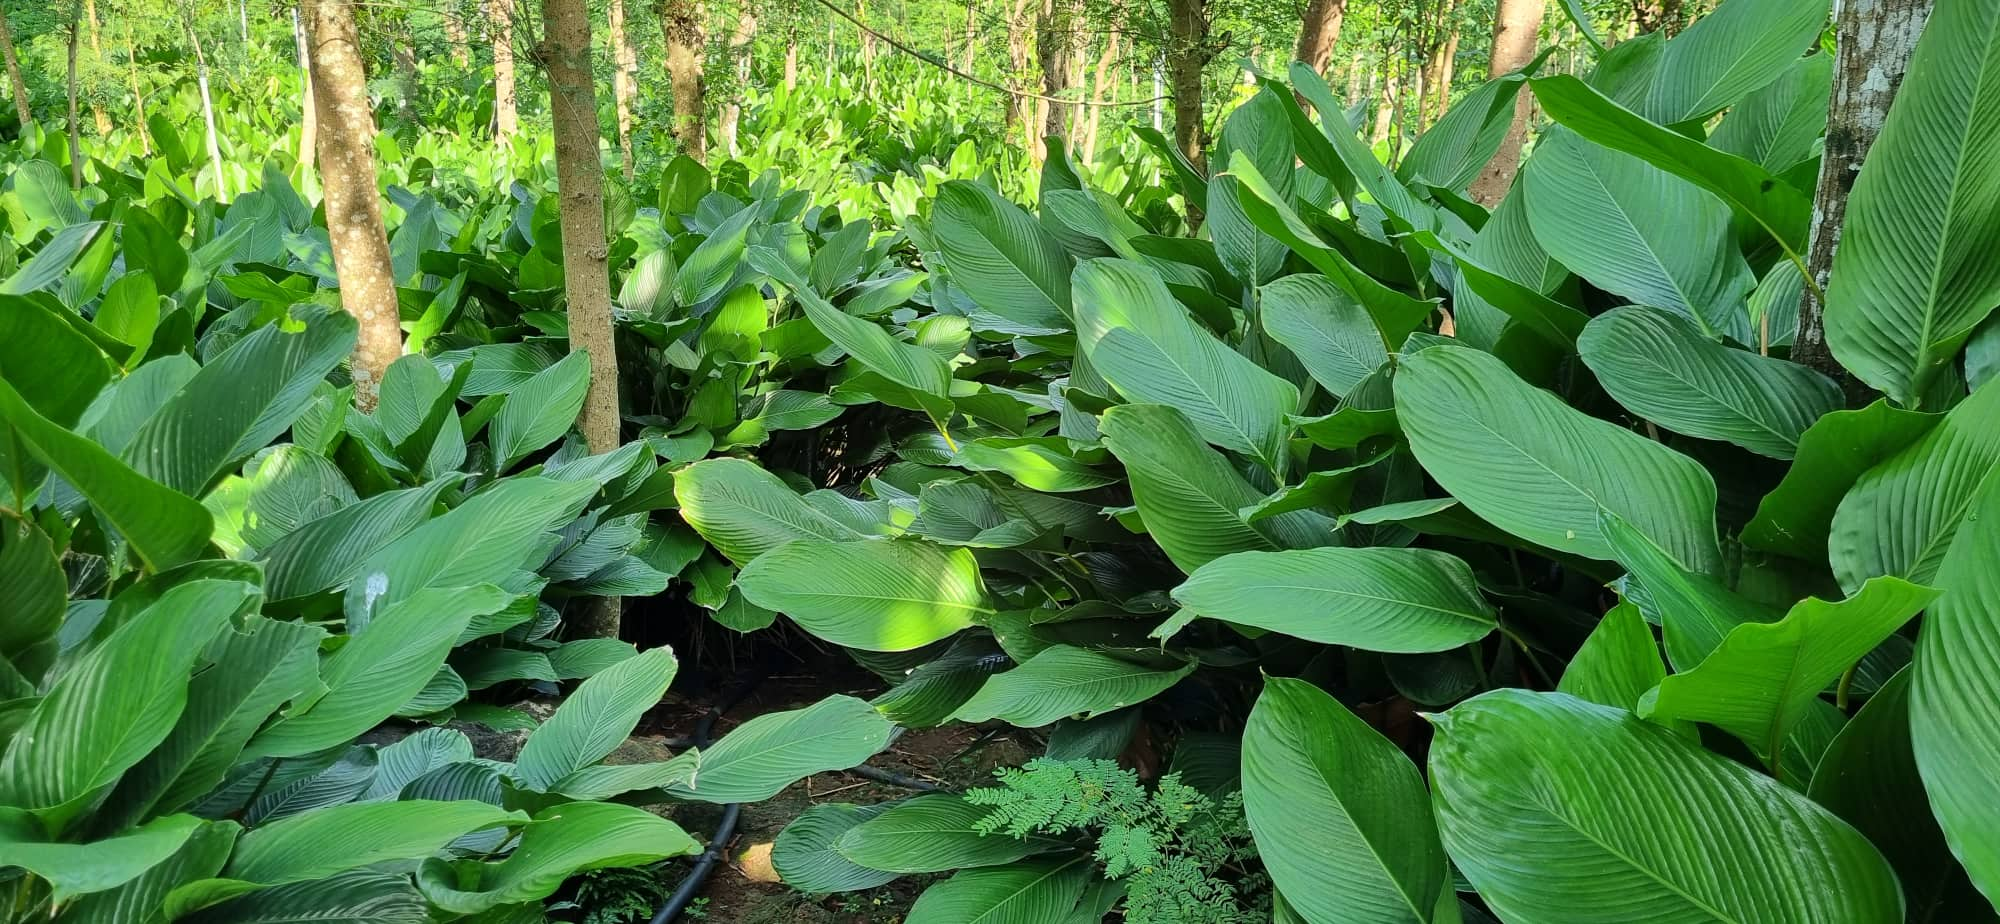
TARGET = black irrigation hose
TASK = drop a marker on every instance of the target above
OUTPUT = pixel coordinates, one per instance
(892, 778)
(725, 829)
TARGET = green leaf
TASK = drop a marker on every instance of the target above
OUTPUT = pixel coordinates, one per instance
(74, 869)
(358, 897)
(1332, 335)
(379, 669)
(319, 843)
(540, 410)
(595, 719)
(1901, 515)
(1340, 816)
(1451, 152)
(1637, 231)
(745, 511)
(53, 260)
(1625, 820)
(1695, 611)
(1399, 600)
(885, 595)
(117, 702)
(288, 487)
(58, 370)
(1037, 463)
(1955, 694)
(34, 593)
(1149, 348)
(1492, 290)
(1796, 516)
(238, 402)
(1257, 134)
(1063, 681)
(761, 757)
(1035, 892)
(1914, 274)
(1618, 664)
(1661, 368)
(1001, 256)
(165, 527)
(804, 857)
(1533, 466)
(1763, 676)
(602, 782)
(932, 834)
(562, 841)
(1779, 126)
(1741, 46)
(137, 899)
(325, 553)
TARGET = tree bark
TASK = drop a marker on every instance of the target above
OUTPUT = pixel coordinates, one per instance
(454, 34)
(1874, 39)
(19, 87)
(965, 55)
(565, 53)
(1433, 82)
(353, 208)
(740, 47)
(309, 122)
(1318, 33)
(1017, 66)
(1055, 51)
(506, 115)
(207, 112)
(97, 113)
(1385, 108)
(624, 82)
(1188, 54)
(75, 131)
(1106, 83)
(792, 61)
(681, 24)
(139, 95)
(1441, 91)
(1516, 25)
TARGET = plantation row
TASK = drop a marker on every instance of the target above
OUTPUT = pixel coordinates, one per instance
(1465, 565)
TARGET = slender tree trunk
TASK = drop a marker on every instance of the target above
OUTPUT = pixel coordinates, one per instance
(138, 93)
(1055, 50)
(1159, 96)
(14, 81)
(867, 50)
(1357, 80)
(75, 131)
(740, 47)
(97, 113)
(208, 112)
(1516, 24)
(407, 87)
(791, 61)
(681, 23)
(966, 56)
(1187, 57)
(243, 21)
(353, 208)
(1385, 108)
(565, 53)
(1441, 92)
(1017, 66)
(309, 122)
(1874, 39)
(624, 82)
(1318, 33)
(1106, 83)
(506, 115)
(454, 34)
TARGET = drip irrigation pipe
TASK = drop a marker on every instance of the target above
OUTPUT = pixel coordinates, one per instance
(725, 829)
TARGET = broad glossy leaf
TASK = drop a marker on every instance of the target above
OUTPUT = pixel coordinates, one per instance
(595, 719)
(327, 552)
(1627, 821)
(56, 370)
(138, 899)
(356, 897)
(1035, 892)
(1914, 274)
(1779, 125)
(1040, 464)
(1063, 681)
(804, 857)
(540, 410)
(1340, 816)
(761, 757)
(1618, 664)
(34, 592)
(884, 595)
(1003, 259)
(1535, 467)
(73, 869)
(1695, 611)
(320, 843)
(1741, 46)
(932, 834)
(1329, 332)
(1255, 132)
(1901, 515)
(1795, 517)
(1451, 152)
(562, 841)
(745, 511)
(1661, 368)
(1399, 600)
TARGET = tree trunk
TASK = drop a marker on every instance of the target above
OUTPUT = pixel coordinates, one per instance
(624, 82)
(867, 50)
(506, 116)
(454, 34)
(966, 57)
(1187, 56)
(1433, 83)
(1017, 66)
(1441, 92)
(1385, 108)
(565, 53)
(309, 121)
(791, 62)
(97, 113)
(1516, 24)
(1319, 32)
(75, 131)
(1106, 84)
(1357, 76)
(405, 60)
(740, 47)
(1874, 39)
(353, 208)
(681, 23)
(19, 87)
(138, 93)
(1055, 51)
(243, 21)
(207, 112)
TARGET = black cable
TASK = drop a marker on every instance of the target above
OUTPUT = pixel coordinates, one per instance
(725, 829)
(892, 778)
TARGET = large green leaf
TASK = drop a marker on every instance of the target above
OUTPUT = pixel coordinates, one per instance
(327, 552)
(117, 702)
(1832, 453)
(1034, 892)
(803, 853)
(1695, 610)
(319, 843)
(238, 402)
(1955, 695)
(1149, 348)
(1558, 810)
(56, 369)
(137, 899)
(73, 869)
(356, 897)
(1063, 681)
(1765, 675)
(34, 592)
(1329, 332)
(1255, 133)
(772, 751)
(745, 511)
(932, 834)
(1637, 231)
(1341, 817)
(1741, 46)
(1535, 467)
(1618, 664)
(1661, 368)
(1400, 600)
(1779, 126)
(1450, 153)
(562, 841)
(886, 595)
(539, 410)
(595, 719)
(1901, 515)
(1001, 256)
(1914, 273)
